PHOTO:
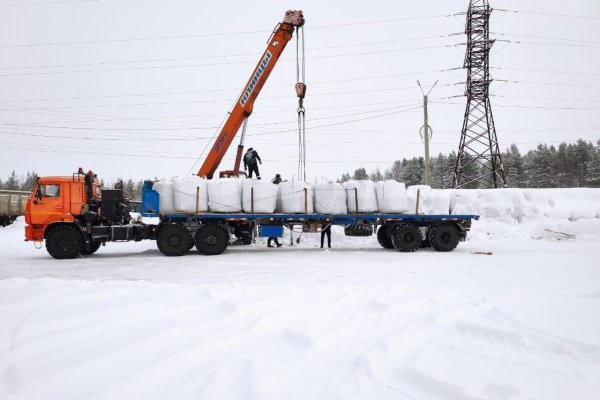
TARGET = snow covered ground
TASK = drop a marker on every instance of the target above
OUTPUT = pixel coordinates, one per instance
(354, 322)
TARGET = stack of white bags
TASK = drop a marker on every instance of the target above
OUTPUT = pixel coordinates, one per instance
(233, 195)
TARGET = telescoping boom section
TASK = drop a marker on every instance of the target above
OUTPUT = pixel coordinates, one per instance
(243, 107)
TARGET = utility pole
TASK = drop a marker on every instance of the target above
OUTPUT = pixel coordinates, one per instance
(426, 132)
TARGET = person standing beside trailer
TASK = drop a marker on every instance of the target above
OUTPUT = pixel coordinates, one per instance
(277, 180)
(326, 231)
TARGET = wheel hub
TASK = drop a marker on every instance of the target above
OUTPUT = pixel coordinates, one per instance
(174, 241)
(211, 240)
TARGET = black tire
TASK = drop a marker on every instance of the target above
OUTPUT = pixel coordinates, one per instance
(94, 246)
(212, 240)
(173, 240)
(406, 237)
(384, 238)
(444, 237)
(64, 242)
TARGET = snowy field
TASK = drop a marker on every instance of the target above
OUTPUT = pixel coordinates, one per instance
(354, 322)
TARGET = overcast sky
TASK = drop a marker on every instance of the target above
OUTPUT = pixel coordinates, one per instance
(136, 88)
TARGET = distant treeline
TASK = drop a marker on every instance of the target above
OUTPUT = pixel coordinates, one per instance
(131, 189)
(568, 165)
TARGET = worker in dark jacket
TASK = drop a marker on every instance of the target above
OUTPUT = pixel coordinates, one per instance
(251, 161)
(326, 231)
(277, 180)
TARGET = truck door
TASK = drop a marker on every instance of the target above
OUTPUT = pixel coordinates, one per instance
(47, 202)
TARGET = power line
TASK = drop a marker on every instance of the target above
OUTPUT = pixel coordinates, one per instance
(548, 98)
(224, 90)
(29, 125)
(528, 107)
(148, 60)
(216, 100)
(43, 3)
(549, 14)
(121, 138)
(547, 83)
(150, 67)
(202, 35)
(547, 71)
(171, 93)
(546, 37)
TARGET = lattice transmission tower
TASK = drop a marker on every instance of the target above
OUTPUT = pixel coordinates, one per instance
(479, 162)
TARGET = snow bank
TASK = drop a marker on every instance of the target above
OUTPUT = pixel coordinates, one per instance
(391, 197)
(292, 194)
(330, 198)
(527, 204)
(367, 197)
(263, 199)
(190, 194)
(164, 187)
(225, 195)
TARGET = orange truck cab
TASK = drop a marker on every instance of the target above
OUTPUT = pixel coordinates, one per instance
(55, 200)
(75, 217)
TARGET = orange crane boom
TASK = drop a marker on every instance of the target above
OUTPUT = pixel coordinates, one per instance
(245, 103)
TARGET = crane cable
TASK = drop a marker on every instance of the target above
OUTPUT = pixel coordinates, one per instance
(301, 92)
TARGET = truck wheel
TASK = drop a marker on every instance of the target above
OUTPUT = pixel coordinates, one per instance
(444, 238)
(406, 237)
(212, 240)
(94, 246)
(63, 242)
(173, 240)
(384, 238)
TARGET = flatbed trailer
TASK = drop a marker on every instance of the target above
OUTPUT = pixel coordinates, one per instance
(74, 218)
(212, 233)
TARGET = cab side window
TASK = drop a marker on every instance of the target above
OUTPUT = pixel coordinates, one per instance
(50, 190)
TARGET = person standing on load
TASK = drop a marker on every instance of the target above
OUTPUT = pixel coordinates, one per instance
(277, 180)
(251, 161)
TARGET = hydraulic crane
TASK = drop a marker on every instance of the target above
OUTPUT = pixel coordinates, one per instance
(281, 35)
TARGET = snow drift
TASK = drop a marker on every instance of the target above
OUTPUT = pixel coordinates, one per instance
(527, 204)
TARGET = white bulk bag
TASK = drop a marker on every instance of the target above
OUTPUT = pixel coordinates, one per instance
(265, 196)
(164, 187)
(464, 201)
(225, 195)
(365, 191)
(431, 201)
(292, 195)
(391, 197)
(190, 192)
(330, 198)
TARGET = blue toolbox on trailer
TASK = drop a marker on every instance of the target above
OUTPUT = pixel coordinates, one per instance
(270, 231)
